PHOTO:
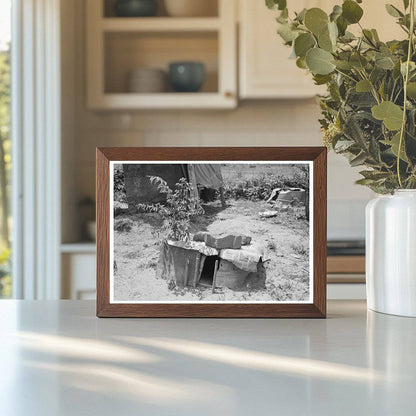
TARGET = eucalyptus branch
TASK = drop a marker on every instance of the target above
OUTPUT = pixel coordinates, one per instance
(373, 89)
(406, 80)
(365, 87)
(346, 75)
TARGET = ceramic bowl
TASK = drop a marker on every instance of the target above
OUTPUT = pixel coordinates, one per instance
(186, 76)
(135, 8)
(147, 80)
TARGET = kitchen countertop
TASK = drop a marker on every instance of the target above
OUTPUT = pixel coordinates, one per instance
(58, 359)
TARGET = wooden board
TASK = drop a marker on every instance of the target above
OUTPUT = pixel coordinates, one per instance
(346, 264)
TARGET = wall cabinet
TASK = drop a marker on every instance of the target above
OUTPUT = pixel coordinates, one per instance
(118, 45)
(265, 70)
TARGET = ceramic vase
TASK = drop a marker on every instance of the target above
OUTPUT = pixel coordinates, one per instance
(391, 253)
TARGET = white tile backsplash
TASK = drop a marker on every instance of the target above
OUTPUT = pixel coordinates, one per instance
(271, 123)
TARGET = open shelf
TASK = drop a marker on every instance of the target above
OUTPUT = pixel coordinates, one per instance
(116, 46)
(160, 24)
(127, 51)
(211, 9)
(80, 247)
(130, 101)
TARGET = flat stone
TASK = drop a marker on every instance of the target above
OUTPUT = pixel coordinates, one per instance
(222, 242)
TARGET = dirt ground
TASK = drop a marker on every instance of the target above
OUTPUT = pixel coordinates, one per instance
(285, 239)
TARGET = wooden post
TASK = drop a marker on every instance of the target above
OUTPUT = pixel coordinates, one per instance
(192, 180)
(186, 273)
(196, 272)
(214, 279)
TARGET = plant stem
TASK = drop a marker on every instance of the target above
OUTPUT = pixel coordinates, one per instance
(406, 80)
(345, 75)
(373, 89)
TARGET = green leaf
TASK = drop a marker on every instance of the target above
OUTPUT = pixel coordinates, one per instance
(327, 40)
(301, 63)
(325, 43)
(368, 36)
(319, 61)
(406, 4)
(353, 130)
(411, 90)
(351, 11)
(342, 25)
(286, 32)
(361, 99)
(343, 145)
(375, 35)
(364, 181)
(394, 145)
(412, 67)
(393, 11)
(303, 43)
(348, 37)
(391, 114)
(374, 175)
(336, 12)
(374, 150)
(385, 63)
(300, 17)
(284, 14)
(343, 65)
(276, 4)
(363, 86)
(358, 160)
(358, 61)
(333, 32)
(321, 79)
(316, 20)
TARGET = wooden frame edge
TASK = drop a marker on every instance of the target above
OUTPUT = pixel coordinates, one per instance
(103, 235)
(317, 309)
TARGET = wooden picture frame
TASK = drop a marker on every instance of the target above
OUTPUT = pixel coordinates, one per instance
(315, 308)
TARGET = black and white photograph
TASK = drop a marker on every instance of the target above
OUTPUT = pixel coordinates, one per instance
(211, 232)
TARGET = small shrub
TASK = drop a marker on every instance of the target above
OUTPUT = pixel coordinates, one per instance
(260, 188)
(123, 224)
(179, 209)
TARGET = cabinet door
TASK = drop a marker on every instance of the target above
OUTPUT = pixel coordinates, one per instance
(78, 276)
(265, 68)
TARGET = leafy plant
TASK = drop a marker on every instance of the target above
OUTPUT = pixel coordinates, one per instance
(260, 188)
(119, 187)
(369, 113)
(178, 210)
(123, 224)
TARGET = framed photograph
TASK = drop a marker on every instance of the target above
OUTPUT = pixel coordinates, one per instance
(211, 232)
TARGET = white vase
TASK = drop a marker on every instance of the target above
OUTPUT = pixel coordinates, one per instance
(391, 253)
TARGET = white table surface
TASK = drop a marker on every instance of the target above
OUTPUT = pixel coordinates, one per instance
(57, 359)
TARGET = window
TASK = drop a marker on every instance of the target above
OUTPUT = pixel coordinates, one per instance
(5, 145)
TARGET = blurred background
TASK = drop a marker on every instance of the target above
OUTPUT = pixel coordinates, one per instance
(99, 73)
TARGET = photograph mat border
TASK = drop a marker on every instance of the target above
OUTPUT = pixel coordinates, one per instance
(194, 162)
